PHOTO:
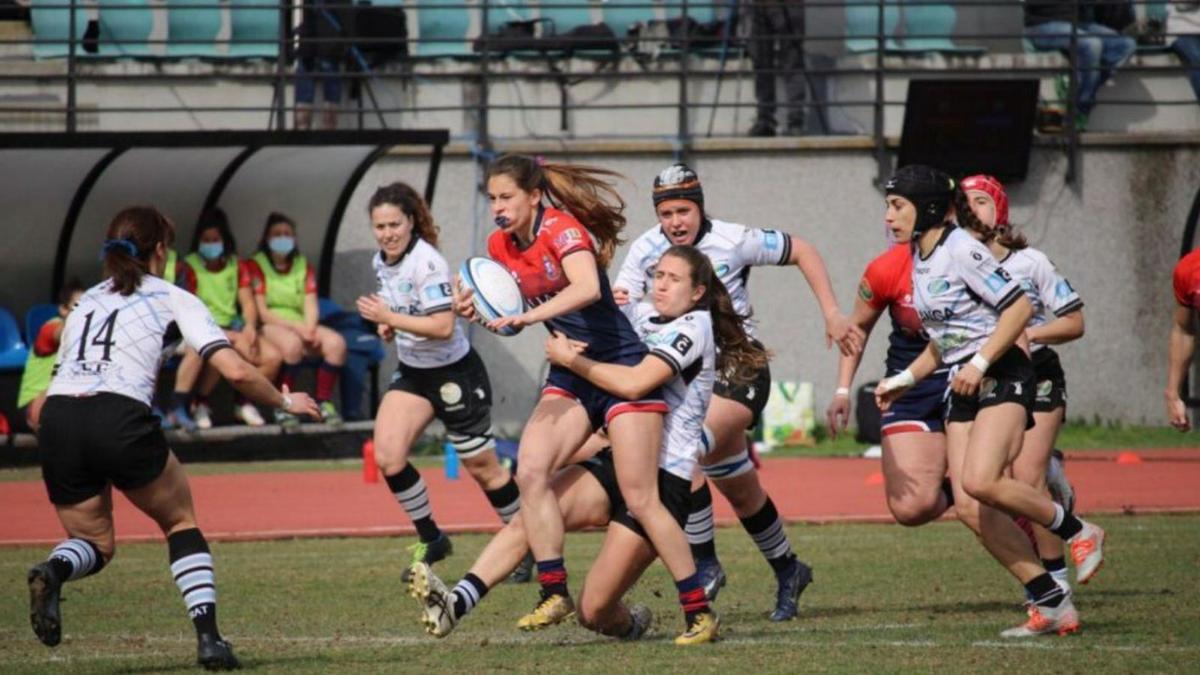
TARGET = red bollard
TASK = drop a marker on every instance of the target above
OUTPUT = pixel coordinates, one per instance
(370, 470)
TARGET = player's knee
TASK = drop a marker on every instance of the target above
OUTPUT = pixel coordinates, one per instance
(981, 488)
(641, 502)
(532, 479)
(389, 460)
(911, 512)
(484, 469)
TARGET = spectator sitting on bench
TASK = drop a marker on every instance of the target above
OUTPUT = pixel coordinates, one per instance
(213, 273)
(42, 355)
(1183, 22)
(1099, 50)
(285, 291)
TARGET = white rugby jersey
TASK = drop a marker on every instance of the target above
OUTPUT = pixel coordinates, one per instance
(732, 248)
(115, 343)
(1048, 290)
(959, 292)
(419, 285)
(687, 345)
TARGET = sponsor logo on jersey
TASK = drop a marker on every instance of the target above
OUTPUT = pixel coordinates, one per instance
(864, 291)
(682, 344)
(987, 388)
(438, 292)
(936, 315)
(1044, 388)
(404, 286)
(997, 280)
(1063, 288)
(938, 286)
(721, 270)
(568, 238)
(770, 240)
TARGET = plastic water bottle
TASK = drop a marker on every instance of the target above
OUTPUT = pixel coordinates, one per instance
(451, 460)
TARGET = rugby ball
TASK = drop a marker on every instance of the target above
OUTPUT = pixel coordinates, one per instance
(495, 293)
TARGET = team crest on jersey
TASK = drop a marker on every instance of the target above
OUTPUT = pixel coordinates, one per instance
(770, 240)
(721, 269)
(405, 286)
(938, 286)
(864, 291)
(1063, 288)
(1044, 388)
(568, 238)
(550, 267)
(998, 279)
(451, 393)
(987, 388)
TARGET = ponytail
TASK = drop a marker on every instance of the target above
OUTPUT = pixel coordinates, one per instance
(132, 238)
(739, 358)
(582, 191)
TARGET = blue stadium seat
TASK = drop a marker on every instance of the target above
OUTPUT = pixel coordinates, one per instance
(933, 25)
(621, 15)
(192, 31)
(703, 11)
(564, 15)
(442, 30)
(54, 23)
(500, 12)
(256, 20)
(35, 318)
(12, 348)
(862, 24)
(125, 27)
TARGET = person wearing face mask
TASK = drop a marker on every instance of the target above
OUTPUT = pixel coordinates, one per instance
(734, 250)
(438, 376)
(285, 293)
(213, 273)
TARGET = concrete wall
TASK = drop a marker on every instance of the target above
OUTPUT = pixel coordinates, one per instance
(1116, 238)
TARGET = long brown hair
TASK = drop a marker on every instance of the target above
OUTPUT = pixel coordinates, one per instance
(580, 190)
(1003, 234)
(738, 357)
(408, 200)
(132, 238)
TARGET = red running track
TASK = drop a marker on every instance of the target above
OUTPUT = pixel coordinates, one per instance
(338, 503)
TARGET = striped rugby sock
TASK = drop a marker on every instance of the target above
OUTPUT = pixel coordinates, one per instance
(766, 529)
(192, 567)
(699, 527)
(506, 499)
(467, 593)
(75, 558)
(409, 490)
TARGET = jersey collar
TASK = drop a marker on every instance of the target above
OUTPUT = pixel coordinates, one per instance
(705, 228)
(412, 243)
(537, 227)
(950, 227)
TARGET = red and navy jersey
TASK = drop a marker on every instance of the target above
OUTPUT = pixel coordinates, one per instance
(887, 283)
(1186, 280)
(540, 276)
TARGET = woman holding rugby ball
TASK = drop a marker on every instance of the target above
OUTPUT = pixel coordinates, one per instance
(692, 331)
(558, 227)
(438, 375)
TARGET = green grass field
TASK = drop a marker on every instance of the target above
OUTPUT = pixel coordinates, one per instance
(885, 598)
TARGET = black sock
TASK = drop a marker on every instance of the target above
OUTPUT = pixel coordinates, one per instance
(766, 529)
(409, 490)
(699, 527)
(467, 593)
(506, 499)
(181, 399)
(1054, 564)
(1065, 525)
(948, 490)
(1045, 591)
(192, 567)
(552, 575)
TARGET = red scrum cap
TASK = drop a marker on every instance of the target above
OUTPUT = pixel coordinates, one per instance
(994, 189)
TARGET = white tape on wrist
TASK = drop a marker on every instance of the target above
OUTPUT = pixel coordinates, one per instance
(981, 364)
(899, 381)
(842, 391)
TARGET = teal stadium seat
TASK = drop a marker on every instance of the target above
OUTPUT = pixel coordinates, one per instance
(12, 348)
(702, 11)
(192, 31)
(933, 24)
(500, 12)
(125, 27)
(256, 20)
(621, 15)
(564, 15)
(442, 30)
(862, 21)
(54, 25)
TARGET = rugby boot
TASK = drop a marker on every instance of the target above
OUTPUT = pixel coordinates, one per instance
(437, 601)
(702, 628)
(711, 576)
(44, 587)
(1043, 620)
(551, 609)
(792, 583)
(524, 572)
(1087, 551)
(330, 414)
(428, 552)
(213, 653)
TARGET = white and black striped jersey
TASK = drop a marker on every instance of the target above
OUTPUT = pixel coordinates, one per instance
(959, 291)
(687, 345)
(732, 248)
(419, 285)
(1049, 291)
(115, 343)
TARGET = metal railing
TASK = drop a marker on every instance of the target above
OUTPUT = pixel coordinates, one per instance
(661, 51)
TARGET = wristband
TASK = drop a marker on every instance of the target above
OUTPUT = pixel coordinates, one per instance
(899, 381)
(842, 391)
(981, 364)
(287, 403)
